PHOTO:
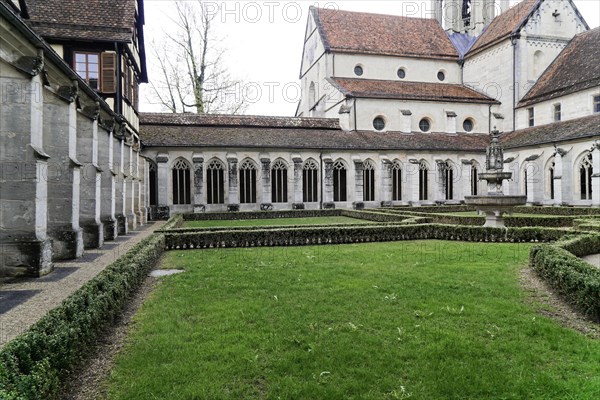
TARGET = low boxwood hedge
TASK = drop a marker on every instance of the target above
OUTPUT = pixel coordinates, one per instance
(376, 216)
(217, 216)
(356, 234)
(576, 280)
(587, 224)
(33, 365)
(549, 210)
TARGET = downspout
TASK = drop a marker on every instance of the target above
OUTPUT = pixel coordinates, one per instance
(513, 42)
(355, 126)
(321, 183)
(490, 119)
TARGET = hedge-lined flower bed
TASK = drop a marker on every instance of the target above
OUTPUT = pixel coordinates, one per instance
(33, 364)
(358, 234)
(576, 280)
(218, 216)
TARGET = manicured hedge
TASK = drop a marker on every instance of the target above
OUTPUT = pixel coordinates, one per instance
(581, 245)
(217, 216)
(356, 234)
(376, 216)
(254, 228)
(432, 209)
(549, 210)
(33, 365)
(576, 280)
(588, 224)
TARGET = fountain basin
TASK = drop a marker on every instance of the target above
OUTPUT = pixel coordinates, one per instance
(495, 176)
(495, 207)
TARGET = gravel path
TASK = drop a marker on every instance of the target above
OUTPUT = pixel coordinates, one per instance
(24, 301)
(594, 259)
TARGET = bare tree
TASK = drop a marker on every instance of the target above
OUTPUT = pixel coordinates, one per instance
(191, 74)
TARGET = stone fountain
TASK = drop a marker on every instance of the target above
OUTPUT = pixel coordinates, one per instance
(495, 204)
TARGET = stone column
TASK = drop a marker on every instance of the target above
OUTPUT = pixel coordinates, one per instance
(439, 193)
(327, 180)
(266, 180)
(137, 184)
(164, 175)
(107, 177)
(386, 182)
(232, 170)
(359, 180)
(465, 180)
(558, 174)
(199, 201)
(596, 174)
(128, 164)
(25, 248)
(87, 153)
(60, 142)
(297, 202)
(141, 199)
(119, 147)
(412, 182)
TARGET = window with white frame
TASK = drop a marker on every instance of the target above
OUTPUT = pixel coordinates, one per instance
(396, 181)
(423, 181)
(586, 170)
(368, 181)
(339, 182)
(551, 180)
(474, 180)
(557, 112)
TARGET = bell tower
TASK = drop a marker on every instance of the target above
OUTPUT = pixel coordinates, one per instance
(466, 16)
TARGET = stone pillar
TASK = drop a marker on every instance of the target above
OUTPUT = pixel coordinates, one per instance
(60, 142)
(199, 203)
(535, 180)
(328, 180)
(137, 184)
(297, 200)
(119, 148)
(439, 193)
(359, 180)
(596, 174)
(386, 182)
(465, 180)
(412, 182)
(128, 164)
(25, 248)
(107, 177)
(164, 176)
(90, 194)
(141, 199)
(265, 163)
(558, 174)
(232, 170)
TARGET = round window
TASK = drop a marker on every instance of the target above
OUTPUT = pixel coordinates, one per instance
(424, 125)
(441, 76)
(379, 123)
(401, 73)
(468, 125)
(358, 70)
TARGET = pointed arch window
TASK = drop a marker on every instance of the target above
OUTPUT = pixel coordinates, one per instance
(586, 170)
(339, 182)
(396, 181)
(368, 181)
(474, 180)
(447, 173)
(423, 181)
(310, 182)
(551, 179)
(215, 182)
(279, 188)
(181, 183)
(248, 182)
(152, 184)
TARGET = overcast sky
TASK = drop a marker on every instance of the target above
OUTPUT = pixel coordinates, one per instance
(263, 42)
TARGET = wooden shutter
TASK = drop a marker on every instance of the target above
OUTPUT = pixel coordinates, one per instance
(109, 73)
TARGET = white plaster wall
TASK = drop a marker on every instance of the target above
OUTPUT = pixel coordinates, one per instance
(386, 68)
(368, 109)
(575, 105)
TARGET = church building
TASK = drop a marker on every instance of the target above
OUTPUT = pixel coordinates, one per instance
(395, 111)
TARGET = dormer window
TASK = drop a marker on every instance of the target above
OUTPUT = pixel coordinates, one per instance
(87, 66)
(531, 116)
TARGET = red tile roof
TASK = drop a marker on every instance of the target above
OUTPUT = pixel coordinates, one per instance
(553, 133)
(223, 131)
(98, 20)
(363, 33)
(504, 25)
(401, 90)
(576, 68)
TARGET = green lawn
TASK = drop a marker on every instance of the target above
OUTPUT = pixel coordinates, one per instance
(423, 319)
(275, 222)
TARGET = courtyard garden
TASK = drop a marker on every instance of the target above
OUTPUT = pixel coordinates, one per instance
(389, 303)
